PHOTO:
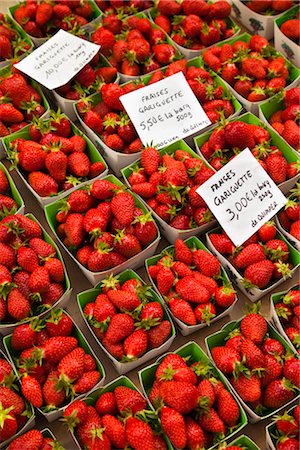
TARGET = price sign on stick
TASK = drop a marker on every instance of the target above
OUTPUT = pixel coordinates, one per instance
(165, 112)
(242, 197)
(58, 60)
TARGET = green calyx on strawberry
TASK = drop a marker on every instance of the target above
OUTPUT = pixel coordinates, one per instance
(202, 369)
(275, 254)
(284, 269)
(175, 192)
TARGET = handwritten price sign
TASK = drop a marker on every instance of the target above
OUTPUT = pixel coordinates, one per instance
(165, 112)
(54, 63)
(242, 197)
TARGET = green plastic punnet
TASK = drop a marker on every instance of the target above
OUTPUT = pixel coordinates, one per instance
(282, 43)
(66, 105)
(14, 193)
(8, 327)
(82, 342)
(91, 152)
(31, 419)
(97, 15)
(25, 37)
(188, 53)
(219, 339)
(257, 23)
(194, 352)
(94, 395)
(274, 299)
(185, 330)
(244, 442)
(132, 263)
(288, 152)
(171, 233)
(5, 71)
(293, 70)
(271, 432)
(90, 295)
(254, 293)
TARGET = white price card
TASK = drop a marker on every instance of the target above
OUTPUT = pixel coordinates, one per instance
(58, 60)
(165, 111)
(242, 197)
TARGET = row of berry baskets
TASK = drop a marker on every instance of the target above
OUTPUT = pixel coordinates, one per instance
(193, 386)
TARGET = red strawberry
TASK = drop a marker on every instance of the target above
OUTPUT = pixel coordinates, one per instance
(32, 391)
(277, 393)
(258, 274)
(173, 425)
(183, 311)
(129, 400)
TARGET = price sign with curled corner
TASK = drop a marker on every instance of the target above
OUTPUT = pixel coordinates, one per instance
(242, 197)
(165, 112)
(58, 60)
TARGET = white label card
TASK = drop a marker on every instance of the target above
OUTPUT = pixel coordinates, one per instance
(242, 197)
(58, 60)
(165, 111)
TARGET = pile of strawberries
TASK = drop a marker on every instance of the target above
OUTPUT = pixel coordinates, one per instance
(31, 274)
(55, 158)
(262, 260)
(134, 45)
(12, 45)
(119, 418)
(127, 319)
(89, 79)
(287, 428)
(291, 28)
(13, 409)
(109, 119)
(20, 103)
(289, 217)
(123, 7)
(288, 311)
(52, 366)
(255, 70)
(46, 18)
(190, 281)
(286, 121)
(263, 373)
(193, 404)
(269, 7)
(37, 441)
(194, 24)
(7, 204)
(103, 225)
(168, 184)
(229, 140)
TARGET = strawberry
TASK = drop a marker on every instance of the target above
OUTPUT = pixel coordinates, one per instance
(17, 305)
(254, 327)
(206, 263)
(173, 425)
(248, 387)
(164, 53)
(122, 206)
(225, 296)
(227, 408)
(191, 290)
(273, 369)
(32, 391)
(165, 279)
(287, 424)
(59, 324)
(86, 382)
(182, 252)
(33, 438)
(159, 334)
(251, 254)
(43, 184)
(211, 422)
(277, 168)
(139, 434)
(225, 358)
(239, 134)
(55, 348)
(9, 424)
(258, 274)
(53, 395)
(253, 356)
(129, 400)
(183, 311)
(179, 395)
(150, 160)
(120, 327)
(115, 430)
(291, 371)
(106, 404)
(127, 301)
(277, 393)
